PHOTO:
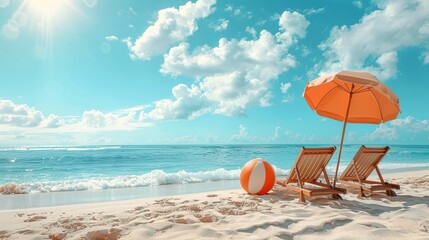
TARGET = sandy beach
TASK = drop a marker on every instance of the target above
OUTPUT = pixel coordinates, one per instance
(233, 214)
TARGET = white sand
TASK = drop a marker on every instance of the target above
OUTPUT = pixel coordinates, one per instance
(235, 215)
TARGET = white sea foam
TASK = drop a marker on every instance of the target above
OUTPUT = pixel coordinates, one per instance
(60, 148)
(383, 165)
(405, 152)
(156, 177)
(403, 165)
(159, 177)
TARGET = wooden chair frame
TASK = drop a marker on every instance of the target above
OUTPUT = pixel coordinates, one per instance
(360, 168)
(307, 169)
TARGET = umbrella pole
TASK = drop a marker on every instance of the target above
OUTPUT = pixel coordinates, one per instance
(342, 135)
(341, 150)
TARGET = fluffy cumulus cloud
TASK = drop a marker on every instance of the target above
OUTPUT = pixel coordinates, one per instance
(238, 74)
(242, 135)
(402, 122)
(293, 26)
(52, 121)
(383, 132)
(95, 121)
(172, 26)
(373, 43)
(21, 115)
(411, 125)
(220, 25)
(395, 128)
(189, 103)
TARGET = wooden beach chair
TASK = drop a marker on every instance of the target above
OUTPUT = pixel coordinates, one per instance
(362, 165)
(304, 175)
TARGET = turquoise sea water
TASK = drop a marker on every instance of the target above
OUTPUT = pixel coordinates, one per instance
(86, 168)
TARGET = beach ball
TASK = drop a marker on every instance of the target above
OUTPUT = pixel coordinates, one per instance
(257, 177)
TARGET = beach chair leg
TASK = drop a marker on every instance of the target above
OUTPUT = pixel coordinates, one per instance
(390, 193)
(337, 197)
(361, 194)
(301, 197)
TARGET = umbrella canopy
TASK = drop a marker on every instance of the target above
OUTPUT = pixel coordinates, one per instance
(354, 97)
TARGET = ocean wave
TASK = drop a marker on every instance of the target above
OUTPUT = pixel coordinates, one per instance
(59, 148)
(402, 165)
(330, 169)
(153, 178)
(404, 152)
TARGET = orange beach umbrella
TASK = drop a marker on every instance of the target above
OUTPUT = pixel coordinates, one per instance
(354, 97)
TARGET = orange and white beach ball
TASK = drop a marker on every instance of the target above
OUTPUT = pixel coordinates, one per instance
(257, 177)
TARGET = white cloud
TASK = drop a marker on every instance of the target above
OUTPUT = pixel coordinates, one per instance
(402, 122)
(383, 132)
(358, 4)
(52, 121)
(189, 103)
(96, 119)
(372, 44)
(221, 25)
(261, 22)
(305, 51)
(410, 125)
(293, 25)
(238, 11)
(111, 38)
(238, 74)
(312, 11)
(276, 135)
(19, 115)
(275, 17)
(284, 87)
(173, 25)
(242, 135)
(398, 127)
(251, 30)
(232, 93)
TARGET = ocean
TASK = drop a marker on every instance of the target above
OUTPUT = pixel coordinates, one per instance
(154, 170)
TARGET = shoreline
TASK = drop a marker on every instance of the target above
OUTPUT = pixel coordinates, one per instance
(64, 198)
(234, 214)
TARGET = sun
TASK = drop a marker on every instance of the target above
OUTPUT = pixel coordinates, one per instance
(45, 8)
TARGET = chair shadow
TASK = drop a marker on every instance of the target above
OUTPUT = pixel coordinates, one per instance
(374, 209)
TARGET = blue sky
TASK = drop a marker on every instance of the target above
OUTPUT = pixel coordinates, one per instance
(94, 72)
